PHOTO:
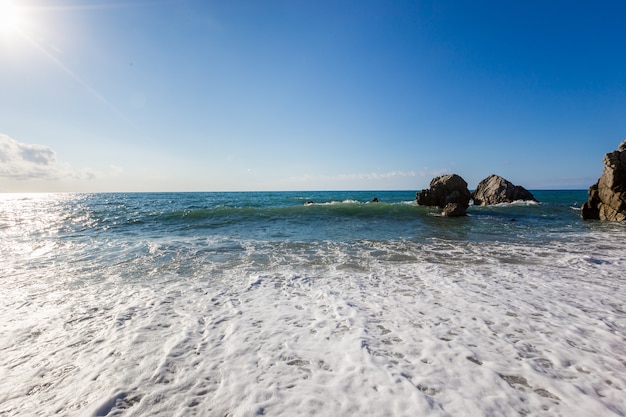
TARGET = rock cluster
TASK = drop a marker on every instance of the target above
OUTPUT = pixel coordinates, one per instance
(448, 192)
(495, 190)
(607, 197)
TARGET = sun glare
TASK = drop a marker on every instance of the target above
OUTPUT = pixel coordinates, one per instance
(11, 18)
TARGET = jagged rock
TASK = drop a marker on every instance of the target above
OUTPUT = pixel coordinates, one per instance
(495, 190)
(454, 210)
(607, 197)
(444, 190)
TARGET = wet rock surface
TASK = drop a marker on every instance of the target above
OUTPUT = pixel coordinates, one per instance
(446, 191)
(607, 197)
(495, 190)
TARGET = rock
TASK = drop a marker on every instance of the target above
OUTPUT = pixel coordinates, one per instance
(454, 210)
(495, 190)
(445, 190)
(607, 197)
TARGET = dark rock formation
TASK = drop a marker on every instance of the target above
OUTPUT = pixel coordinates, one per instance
(607, 197)
(495, 190)
(454, 210)
(445, 190)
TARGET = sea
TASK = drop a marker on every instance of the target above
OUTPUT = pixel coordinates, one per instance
(308, 304)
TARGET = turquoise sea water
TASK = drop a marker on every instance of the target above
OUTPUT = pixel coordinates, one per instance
(100, 232)
(92, 230)
(259, 303)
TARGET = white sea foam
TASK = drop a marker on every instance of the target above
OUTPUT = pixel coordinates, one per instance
(518, 203)
(334, 202)
(398, 328)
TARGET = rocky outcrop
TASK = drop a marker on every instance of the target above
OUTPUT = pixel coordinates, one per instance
(454, 210)
(495, 190)
(607, 197)
(448, 192)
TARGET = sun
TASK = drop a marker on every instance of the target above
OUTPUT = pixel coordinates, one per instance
(11, 18)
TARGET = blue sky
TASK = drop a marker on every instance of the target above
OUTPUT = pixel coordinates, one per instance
(186, 95)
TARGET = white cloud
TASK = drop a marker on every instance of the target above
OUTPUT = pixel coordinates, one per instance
(23, 161)
(374, 176)
(371, 180)
(432, 173)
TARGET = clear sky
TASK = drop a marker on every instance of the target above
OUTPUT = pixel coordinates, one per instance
(200, 95)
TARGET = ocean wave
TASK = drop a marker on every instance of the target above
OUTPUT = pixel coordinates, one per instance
(373, 327)
(205, 305)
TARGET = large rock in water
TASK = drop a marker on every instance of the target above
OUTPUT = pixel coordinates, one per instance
(495, 190)
(607, 197)
(448, 192)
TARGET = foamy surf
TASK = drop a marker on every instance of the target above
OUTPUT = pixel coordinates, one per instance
(203, 325)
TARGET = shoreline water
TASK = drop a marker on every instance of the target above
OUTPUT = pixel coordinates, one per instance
(209, 305)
